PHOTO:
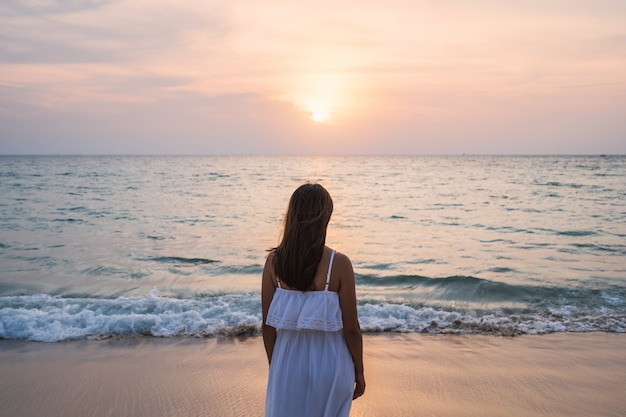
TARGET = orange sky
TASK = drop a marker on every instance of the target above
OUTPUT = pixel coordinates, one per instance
(278, 76)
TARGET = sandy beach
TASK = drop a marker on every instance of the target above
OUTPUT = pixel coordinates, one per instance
(407, 374)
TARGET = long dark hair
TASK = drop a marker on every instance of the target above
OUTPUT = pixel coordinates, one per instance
(304, 236)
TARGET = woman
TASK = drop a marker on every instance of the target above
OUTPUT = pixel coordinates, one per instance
(310, 326)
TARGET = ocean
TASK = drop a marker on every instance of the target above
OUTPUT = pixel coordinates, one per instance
(96, 247)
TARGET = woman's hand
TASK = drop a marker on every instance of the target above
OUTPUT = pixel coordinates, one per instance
(359, 386)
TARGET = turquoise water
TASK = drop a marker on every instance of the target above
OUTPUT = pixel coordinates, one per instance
(174, 246)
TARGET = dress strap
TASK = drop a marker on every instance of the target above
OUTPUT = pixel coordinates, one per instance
(278, 282)
(330, 267)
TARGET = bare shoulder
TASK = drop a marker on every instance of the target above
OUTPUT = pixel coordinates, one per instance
(342, 266)
(345, 282)
(268, 269)
(342, 260)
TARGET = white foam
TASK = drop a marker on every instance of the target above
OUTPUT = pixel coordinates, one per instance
(50, 319)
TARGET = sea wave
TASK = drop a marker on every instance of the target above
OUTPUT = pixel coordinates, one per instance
(469, 289)
(179, 260)
(48, 318)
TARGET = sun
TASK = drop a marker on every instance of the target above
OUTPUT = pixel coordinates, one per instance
(319, 109)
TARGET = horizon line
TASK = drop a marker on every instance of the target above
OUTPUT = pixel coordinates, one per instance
(305, 154)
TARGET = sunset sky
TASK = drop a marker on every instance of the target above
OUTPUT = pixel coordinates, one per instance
(312, 77)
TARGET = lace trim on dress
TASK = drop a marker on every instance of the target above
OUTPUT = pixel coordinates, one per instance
(304, 324)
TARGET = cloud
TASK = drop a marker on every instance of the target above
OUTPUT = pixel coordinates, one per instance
(108, 32)
(45, 7)
(218, 76)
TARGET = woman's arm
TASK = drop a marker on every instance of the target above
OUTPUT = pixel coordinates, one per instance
(267, 293)
(351, 327)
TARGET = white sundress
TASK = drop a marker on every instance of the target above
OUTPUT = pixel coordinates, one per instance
(311, 373)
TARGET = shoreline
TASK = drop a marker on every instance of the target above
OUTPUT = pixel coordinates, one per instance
(559, 374)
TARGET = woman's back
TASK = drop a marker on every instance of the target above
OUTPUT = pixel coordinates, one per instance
(311, 330)
(311, 373)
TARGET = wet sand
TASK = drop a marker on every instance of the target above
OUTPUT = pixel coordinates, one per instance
(407, 375)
